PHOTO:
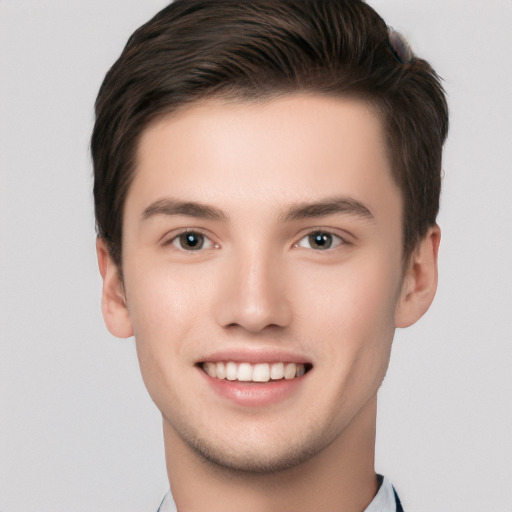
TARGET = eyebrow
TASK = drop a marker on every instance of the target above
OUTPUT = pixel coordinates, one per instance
(329, 206)
(298, 211)
(170, 206)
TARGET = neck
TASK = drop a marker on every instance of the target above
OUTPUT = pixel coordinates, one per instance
(339, 478)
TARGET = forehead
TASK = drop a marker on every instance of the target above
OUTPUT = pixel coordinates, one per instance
(289, 149)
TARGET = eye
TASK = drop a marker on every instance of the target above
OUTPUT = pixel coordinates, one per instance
(192, 241)
(320, 241)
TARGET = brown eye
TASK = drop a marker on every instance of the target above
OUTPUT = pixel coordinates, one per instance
(320, 241)
(190, 241)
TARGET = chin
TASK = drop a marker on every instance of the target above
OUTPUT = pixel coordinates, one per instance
(260, 457)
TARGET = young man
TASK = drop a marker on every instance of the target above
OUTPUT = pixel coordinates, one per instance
(267, 179)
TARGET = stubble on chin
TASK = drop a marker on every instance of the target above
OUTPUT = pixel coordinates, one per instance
(255, 460)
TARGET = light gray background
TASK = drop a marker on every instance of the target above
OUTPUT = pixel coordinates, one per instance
(77, 429)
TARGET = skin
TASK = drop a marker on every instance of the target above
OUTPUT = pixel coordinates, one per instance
(261, 284)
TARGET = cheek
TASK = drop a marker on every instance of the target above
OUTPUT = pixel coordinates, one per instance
(163, 305)
(159, 296)
(352, 306)
(163, 310)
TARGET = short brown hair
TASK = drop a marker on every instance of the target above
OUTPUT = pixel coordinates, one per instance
(255, 49)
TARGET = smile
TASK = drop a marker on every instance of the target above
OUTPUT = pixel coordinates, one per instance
(260, 372)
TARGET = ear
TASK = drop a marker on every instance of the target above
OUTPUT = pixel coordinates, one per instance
(113, 300)
(419, 283)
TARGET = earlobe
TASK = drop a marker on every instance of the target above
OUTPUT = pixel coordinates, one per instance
(113, 300)
(420, 280)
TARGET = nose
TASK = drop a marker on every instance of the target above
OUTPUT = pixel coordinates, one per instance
(252, 293)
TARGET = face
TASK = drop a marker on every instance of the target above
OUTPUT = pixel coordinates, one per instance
(262, 274)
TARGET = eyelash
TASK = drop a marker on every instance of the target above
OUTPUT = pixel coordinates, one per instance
(334, 242)
(177, 240)
(331, 240)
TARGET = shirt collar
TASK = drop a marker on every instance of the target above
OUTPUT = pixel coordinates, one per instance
(384, 500)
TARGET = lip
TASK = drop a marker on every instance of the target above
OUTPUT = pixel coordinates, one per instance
(252, 394)
(255, 356)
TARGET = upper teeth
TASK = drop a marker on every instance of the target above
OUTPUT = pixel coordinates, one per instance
(260, 372)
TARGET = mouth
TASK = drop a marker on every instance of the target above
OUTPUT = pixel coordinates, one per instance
(257, 373)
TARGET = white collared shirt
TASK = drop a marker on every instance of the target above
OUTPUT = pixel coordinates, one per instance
(384, 500)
